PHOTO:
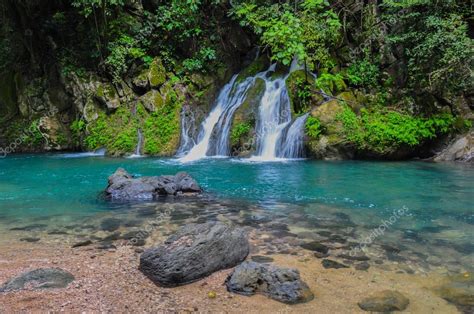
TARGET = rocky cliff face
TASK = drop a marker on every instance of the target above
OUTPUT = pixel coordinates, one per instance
(87, 112)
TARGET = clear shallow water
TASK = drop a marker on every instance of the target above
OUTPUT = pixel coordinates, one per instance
(435, 199)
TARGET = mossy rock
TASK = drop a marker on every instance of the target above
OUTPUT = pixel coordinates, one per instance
(201, 81)
(57, 134)
(161, 129)
(327, 115)
(258, 65)
(331, 144)
(353, 99)
(157, 73)
(107, 95)
(152, 100)
(117, 132)
(140, 82)
(244, 120)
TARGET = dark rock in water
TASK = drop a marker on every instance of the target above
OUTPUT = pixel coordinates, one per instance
(112, 237)
(434, 229)
(327, 263)
(390, 248)
(320, 255)
(146, 212)
(281, 284)
(283, 233)
(261, 259)
(384, 301)
(57, 232)
(123, 186)
(132, 223)
(337, 238)
(140, 234)
(193, 252)
(256, 220)
(278, 226)
(110, 224)
(355, 257)
(460, 291)
(82, 243)
(30, 239)
(362, 266)
(43, 278)
(315, 246)
(30, 227)
(137, 242)
(324, 233)
(106, 246)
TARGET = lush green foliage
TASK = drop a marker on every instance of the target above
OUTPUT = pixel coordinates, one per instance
(313, 127)
(306, 30)
(331, 83)
(438, 53)
(161, 128)
(239, 131)
(383, 130)
(117, 132)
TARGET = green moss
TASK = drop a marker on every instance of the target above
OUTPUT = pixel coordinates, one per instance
(116, 132)
(302, 91)
(157, 73)
(161, 128)
(313, 127)
(383, 131)
(258, 65)
(246, 115)
(239, 132)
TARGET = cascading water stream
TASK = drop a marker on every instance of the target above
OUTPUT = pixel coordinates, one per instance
(277, 136)
(187, 125)
(138, 148)
(215, 128)
(274, 117)
(293, 145)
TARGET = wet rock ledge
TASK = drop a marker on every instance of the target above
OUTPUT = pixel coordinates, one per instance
(124, 187)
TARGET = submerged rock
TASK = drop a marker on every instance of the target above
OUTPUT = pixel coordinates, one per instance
(123, 186)
(281, 284)
(81, 243)
(38, 279)
(315, 246)
(384, 301)
(327, 263)
(194, 252)
(460, 291)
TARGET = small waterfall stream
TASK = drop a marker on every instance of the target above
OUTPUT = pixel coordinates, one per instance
(277, 135)
(138, 148)
(214, 133)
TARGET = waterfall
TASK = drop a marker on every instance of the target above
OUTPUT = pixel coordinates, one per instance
(138, 148)
(293, 146)
(187, 125)
(214, 133)
(278, 136)
(274, 117)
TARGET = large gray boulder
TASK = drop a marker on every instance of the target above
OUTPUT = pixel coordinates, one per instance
(193, 252)
(38, 279)
(123, 186)
(461, 149)
(281, 284)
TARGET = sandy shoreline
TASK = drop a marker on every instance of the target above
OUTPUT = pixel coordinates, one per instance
(109, 281)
